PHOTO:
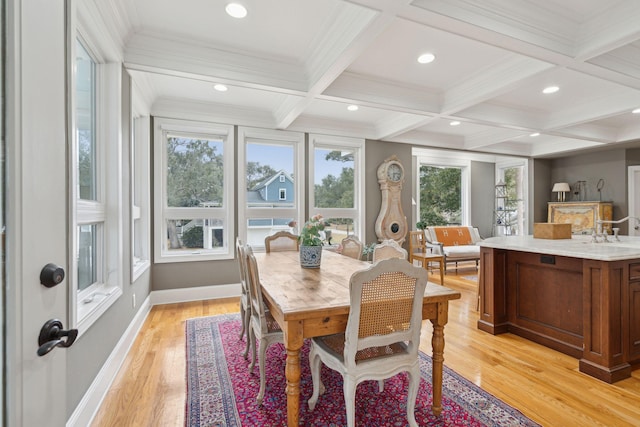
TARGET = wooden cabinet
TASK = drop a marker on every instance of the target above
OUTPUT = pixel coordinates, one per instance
(634, 311)
(588, 309)
(581, 215)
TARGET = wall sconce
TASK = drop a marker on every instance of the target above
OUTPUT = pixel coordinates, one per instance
(562, 188)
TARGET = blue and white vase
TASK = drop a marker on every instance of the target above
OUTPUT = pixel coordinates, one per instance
(310, 256)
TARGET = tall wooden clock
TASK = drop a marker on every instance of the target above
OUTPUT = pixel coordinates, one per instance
(391, 222)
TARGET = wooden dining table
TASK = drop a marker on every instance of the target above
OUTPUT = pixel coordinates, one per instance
(308, 303)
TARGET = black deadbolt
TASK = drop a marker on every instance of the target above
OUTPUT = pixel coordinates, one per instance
(51, 275)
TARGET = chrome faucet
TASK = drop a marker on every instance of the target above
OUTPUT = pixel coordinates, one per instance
(599, 232)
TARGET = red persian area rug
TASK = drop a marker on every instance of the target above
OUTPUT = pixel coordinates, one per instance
(221, 392)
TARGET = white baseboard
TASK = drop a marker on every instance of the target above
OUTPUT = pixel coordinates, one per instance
(171, 296)
(92, 399)
(88, 407)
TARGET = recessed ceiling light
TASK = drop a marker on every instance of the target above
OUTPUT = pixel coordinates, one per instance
(220, 87)
(236, 10)
(352, 108)
(535, 134)
(550, 89)
(636, 111)
(454, 123)
(426, 58)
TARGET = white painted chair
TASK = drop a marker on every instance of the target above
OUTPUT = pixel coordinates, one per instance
(352, 247)
(263, 325)
(245, 303)
(382, 335)
(388, 249)
(281, 241)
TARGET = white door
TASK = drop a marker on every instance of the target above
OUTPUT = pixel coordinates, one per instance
(36, 208)
(634, 200)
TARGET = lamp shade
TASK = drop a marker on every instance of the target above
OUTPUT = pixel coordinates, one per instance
(561, 187)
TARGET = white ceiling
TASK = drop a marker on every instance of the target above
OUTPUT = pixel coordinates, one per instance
(297, 65)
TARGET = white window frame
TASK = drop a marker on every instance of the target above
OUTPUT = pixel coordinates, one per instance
(282, 178)
(249, 135)
(140, 188)
(106, 211)
(501, 165)
(357, 213)
(426, 157)
(282, 194)
(163, 127)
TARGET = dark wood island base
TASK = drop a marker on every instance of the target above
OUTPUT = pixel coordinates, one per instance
(586, 308)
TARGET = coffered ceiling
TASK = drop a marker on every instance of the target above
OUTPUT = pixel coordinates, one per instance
(298, 64)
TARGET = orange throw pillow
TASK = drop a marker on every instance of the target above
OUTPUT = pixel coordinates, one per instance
(453, 236)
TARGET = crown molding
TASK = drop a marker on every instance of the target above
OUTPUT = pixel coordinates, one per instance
(149, 52)
(103, 39)
(210, 112)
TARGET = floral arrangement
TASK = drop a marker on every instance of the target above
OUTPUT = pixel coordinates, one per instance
(310, 232)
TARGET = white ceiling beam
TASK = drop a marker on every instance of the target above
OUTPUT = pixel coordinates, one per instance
(399, 123)
(505, 116)
(310, 124)
(614, 104)
(616, 27)
(364, 90)
(559, 146)
(629, 133)
(353, 30)
(490, 137)
(515, 33)
(586, 132)
(430, 139)
(492, 82)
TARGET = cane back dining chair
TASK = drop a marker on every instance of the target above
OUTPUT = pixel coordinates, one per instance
(352, 247)
(281, 241)
(245, 302)
(388, 249)
(382, 335)
(263, 326)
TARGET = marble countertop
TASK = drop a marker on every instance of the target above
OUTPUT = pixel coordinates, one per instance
(579, 246)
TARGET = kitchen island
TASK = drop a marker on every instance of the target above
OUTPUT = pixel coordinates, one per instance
(572, 295)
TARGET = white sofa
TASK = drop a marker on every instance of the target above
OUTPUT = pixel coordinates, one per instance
(455, 243)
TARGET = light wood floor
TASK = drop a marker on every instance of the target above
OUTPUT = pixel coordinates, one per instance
(544, 384)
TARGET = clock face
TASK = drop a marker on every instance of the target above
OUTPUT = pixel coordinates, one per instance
(394, 172)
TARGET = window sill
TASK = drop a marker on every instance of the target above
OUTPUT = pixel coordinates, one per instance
(138, 268)
(193, 256)
(91, 308)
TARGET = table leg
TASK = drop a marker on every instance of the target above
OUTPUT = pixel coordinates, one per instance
(293, 342)
(441, 263)
(437, 344)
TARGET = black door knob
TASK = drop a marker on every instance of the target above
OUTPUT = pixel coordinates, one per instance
(51, 275)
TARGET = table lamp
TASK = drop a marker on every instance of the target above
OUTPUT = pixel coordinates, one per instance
(561, 188)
